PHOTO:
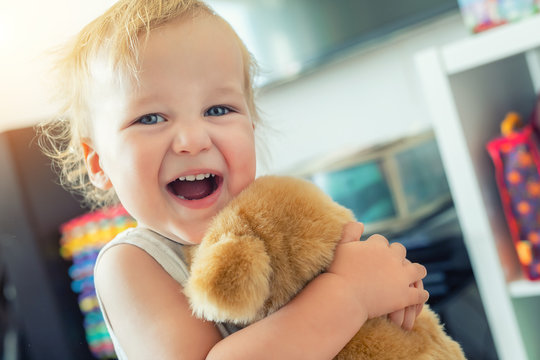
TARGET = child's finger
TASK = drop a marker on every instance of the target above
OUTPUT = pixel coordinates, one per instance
(415, 296)
(379, 239)
(399, 249)
(422, 296)
(417, 272)
(397, 317)
(419, 285)
(408, 317)
(352, 232)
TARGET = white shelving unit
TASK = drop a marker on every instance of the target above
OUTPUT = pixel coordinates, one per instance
(469, 87)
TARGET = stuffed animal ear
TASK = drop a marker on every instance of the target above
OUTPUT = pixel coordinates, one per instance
(230, 279)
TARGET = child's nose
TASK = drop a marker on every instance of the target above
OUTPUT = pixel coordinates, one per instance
(191, 138)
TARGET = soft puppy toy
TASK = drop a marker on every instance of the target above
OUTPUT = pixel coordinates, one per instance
(267, 244)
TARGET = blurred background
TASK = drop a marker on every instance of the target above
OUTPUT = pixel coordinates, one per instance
(341, 90)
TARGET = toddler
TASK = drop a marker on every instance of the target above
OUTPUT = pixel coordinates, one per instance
(159, 114)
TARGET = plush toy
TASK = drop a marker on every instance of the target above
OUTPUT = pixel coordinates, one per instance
(267, 244)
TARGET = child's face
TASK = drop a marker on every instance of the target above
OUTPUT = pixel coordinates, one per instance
(188, 118)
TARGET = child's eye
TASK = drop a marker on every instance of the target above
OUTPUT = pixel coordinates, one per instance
(150, 119)
(218, 110)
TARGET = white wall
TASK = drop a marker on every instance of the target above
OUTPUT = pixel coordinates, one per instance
(29, 30)
(369, 97)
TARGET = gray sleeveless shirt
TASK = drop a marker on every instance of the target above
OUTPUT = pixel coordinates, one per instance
(168, 254)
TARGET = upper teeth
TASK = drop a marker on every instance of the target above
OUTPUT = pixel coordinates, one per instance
(195, 177)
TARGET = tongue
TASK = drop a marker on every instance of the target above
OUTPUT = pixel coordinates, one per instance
(193, 190)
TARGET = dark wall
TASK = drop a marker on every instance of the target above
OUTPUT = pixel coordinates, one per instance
(45, 311)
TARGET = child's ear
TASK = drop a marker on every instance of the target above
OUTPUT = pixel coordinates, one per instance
(93, 166)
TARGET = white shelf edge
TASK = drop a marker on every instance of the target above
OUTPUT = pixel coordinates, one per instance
(524, 288)
(469, 204)
(484, 48)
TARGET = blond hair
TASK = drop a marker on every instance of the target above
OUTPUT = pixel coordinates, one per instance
(113, 37)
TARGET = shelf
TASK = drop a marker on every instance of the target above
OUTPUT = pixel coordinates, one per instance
(493, 45)
(469, 86)
(524, 288)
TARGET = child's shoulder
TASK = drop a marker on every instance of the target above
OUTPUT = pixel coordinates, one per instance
(142, 248)
(121, 257)
(127, 267)
(136, 290)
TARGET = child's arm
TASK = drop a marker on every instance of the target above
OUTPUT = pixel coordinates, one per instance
(147, 309)
(152, 319)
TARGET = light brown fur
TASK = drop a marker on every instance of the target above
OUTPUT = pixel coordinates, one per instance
(267, 244)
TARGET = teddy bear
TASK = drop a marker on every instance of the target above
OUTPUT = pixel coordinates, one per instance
(267, 244)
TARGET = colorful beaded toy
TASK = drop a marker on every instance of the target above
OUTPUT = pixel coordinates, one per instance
(81, 240)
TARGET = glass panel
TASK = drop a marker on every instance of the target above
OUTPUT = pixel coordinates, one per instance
(422, 175)
(362, 188)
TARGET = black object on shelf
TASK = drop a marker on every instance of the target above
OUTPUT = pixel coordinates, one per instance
(437, 243)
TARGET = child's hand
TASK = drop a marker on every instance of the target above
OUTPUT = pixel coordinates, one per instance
(406, 317)
(377, 273)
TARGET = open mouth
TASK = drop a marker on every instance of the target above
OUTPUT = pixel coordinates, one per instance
(194, 187)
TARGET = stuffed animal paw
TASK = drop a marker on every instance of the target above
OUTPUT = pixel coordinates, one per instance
(267, 244)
